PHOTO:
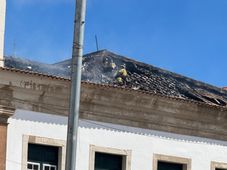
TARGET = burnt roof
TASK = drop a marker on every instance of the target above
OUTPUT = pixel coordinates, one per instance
(96, 69)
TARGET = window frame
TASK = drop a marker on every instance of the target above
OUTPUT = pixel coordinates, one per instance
(126, 156)
(61, 144)
(49, 165)
(34, 163)
(186, 162)
(220, 165)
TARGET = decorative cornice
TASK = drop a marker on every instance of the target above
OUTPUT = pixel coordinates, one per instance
(112, 105)
(34, 75)
(5, 113)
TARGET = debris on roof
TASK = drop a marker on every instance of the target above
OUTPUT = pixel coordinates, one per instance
(102, 67)
(24, 64)
(29, 67)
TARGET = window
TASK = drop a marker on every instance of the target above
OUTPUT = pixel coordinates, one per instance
(33, 166)
(218, 166)
(109, 159)
(169, 166)
(42, 157)
(49, 167)
(164, 162)
(41, 153)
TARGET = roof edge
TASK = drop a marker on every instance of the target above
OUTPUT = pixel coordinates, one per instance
(221, 108)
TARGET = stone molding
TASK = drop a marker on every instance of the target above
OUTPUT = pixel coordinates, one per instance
(186, 162)
(127, 154)
(219, 165)
(44, 141)
(5, 113)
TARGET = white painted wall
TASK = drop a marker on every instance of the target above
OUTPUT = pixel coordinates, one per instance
(143, 143)
(2, 29)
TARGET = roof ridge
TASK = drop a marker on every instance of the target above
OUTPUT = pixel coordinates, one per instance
(85, 55)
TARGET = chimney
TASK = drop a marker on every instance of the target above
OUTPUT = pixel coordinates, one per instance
(2, 30)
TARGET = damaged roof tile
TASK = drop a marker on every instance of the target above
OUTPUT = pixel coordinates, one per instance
(97, 69)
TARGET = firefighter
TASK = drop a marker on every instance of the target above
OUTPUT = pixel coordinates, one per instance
(108, 64)
(122, 74)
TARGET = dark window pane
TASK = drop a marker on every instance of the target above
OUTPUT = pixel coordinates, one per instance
(35, 167)
(43, 153)
(46, 168)
(52, 168)
(29, 166)
(107, 161)
(169, 166)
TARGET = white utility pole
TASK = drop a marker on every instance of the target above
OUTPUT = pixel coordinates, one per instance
(73, 118)
(2, 30)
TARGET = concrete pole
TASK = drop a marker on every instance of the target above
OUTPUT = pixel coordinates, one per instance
(2, 30)
(73, 121)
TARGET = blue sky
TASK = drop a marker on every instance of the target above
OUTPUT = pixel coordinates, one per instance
(184, 36)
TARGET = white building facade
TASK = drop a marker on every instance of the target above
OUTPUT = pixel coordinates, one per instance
(141, 148)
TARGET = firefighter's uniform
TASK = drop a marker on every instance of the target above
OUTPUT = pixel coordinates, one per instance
(121, 75)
